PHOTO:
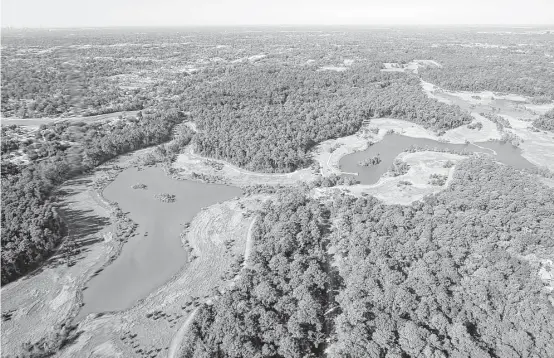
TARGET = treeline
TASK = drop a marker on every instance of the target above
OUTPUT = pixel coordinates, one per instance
(277, 308)
(31, 229)
(268, 117)
(446, 276)
(453, 275)
(493, 69)
(545, 121)
(61, 83)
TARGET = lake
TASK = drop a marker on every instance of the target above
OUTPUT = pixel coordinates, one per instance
(394, 144)
(152, 257)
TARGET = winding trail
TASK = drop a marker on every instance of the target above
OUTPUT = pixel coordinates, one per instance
(249, 243)
(178, 338)
(174, 347)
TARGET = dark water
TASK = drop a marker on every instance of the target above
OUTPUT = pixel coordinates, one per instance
(394, 144)
(153, 256)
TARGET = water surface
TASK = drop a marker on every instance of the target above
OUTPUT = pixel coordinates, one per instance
(394, 144)
(508, 154)
(154, 255)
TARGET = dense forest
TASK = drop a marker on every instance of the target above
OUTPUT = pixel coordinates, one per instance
(31, 228)
(545, 121)
(518, 63)
(264, 100)
(271, 124)
(448, 276)
(278, 307)
(452, 275)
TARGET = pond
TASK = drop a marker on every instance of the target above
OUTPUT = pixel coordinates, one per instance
(155, 254)
(394, 144)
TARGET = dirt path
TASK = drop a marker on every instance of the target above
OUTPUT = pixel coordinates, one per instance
(175, 345)
(249, 243)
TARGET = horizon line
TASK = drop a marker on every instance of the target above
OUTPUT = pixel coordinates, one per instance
(512, 25)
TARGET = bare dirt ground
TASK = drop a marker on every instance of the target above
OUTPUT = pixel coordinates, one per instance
(217, 234)
(189, 162)
(329, 153)
(52, 294)
(391, 191)
(537, 147)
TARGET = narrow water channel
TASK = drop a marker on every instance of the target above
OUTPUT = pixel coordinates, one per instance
(394, 144)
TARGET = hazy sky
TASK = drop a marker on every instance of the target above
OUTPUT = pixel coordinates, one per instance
(76, 13)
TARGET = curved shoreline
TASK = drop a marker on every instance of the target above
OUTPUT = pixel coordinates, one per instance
(322, 153)
(115, 245)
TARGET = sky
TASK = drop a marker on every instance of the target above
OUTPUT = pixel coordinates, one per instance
(110, 13)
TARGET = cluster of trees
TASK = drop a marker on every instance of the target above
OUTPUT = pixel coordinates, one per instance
(31, 228)
(370, 161)
(447, 276)
(277, 308)
(493, 69)
(476, 125)
(500, 121)
(399, 167)
(545, 121)
(51, 85)
(272, 123)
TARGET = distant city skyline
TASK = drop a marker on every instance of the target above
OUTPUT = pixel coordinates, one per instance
(113, 13)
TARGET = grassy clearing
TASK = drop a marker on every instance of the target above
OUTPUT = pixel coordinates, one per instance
(392, 190)
(188, 163)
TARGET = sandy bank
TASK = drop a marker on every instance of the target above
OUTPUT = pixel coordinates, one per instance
(391, 191)
(217, 235)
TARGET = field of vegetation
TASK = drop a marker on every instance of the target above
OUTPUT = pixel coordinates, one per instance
(446, 255)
